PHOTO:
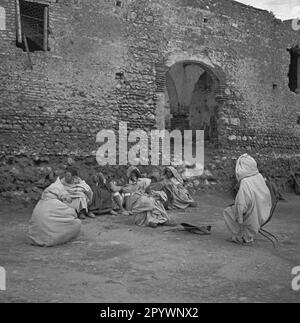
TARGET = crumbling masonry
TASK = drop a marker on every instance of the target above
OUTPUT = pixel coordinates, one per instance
(216, 65)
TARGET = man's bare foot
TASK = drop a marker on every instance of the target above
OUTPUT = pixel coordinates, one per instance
(193, 204)
(114, 213)
(81, 216)
(170, 223)
(125, 213)
(242, 241)
(91, 215)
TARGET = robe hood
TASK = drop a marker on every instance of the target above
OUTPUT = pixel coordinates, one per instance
(246, 166)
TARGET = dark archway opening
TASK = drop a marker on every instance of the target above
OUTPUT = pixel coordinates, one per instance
(294, 70)
(191, 101)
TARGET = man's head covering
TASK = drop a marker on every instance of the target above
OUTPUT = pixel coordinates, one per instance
(246, 166)
(101, 178)
(175, 173)
(133, 169)
(72, 170)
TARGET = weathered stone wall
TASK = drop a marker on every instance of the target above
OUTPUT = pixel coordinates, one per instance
(73, 91)
(61, 104)
(107, 63)
(249, 47)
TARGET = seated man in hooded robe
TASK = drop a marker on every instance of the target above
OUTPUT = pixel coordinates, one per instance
(178, 196)
(146, 205)
(107, 197)
(253, 202)
(53, 220)
(80, 192)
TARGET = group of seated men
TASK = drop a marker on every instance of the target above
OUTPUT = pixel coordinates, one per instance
(57, 217)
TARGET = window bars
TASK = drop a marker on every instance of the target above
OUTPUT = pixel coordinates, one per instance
(32, 23)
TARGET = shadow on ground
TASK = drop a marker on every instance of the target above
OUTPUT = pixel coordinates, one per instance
(115, 261)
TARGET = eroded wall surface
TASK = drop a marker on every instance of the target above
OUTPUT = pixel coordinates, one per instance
(108, 62)
(73, 90)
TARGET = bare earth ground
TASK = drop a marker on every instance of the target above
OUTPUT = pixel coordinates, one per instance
(115, 261)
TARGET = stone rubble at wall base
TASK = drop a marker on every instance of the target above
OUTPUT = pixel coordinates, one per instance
(23, 178)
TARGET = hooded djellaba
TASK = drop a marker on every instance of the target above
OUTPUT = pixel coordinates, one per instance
(253, 202)
(146, 205)
(178, 196)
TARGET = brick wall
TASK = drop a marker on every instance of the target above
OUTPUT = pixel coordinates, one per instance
(73, 91)
(107, 64)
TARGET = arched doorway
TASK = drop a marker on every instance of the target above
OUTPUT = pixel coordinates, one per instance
(190, 98)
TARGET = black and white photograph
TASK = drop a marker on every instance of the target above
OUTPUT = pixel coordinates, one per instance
(149, 154)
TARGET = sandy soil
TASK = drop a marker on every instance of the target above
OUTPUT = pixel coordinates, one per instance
(115, 261)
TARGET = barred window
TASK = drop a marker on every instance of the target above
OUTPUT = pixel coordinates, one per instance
(294, 71)
(32, 31)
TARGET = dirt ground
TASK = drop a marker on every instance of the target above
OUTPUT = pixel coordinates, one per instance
(115, 261)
